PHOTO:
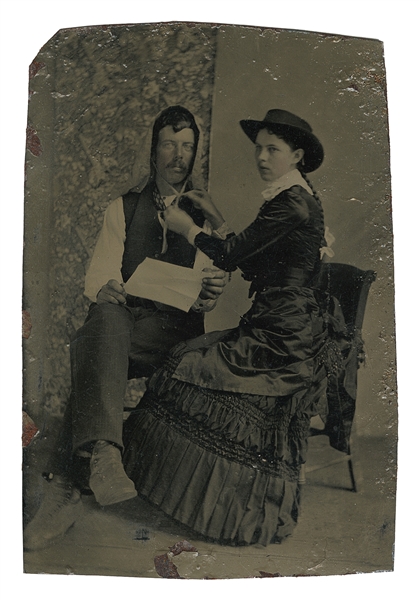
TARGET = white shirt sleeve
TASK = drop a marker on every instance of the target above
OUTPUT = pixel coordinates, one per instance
(106, 261)
(220, 233)
(193, 232)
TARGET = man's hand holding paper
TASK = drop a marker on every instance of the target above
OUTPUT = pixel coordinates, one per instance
(174, 285)
(213, 284)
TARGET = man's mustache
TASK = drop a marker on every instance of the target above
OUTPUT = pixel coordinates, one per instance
(179, 164)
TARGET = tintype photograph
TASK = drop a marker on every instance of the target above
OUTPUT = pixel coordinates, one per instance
(208, 308)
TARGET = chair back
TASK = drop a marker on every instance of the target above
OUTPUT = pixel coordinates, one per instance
(350, 286)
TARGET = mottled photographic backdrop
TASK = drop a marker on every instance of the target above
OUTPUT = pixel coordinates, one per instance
(94, 91)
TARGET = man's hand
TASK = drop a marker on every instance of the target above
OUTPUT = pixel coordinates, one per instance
(213, 284)
(112, 292)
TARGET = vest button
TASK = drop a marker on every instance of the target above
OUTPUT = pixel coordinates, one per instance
(156, 255)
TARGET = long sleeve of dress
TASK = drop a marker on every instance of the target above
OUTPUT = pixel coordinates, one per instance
(275, 220)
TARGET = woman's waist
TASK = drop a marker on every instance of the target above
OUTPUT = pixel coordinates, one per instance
(285, 276)
(273, 306)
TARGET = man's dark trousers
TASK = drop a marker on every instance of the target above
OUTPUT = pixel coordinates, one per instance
(113, 340)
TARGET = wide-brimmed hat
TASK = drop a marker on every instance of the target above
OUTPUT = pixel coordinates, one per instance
(296, 129)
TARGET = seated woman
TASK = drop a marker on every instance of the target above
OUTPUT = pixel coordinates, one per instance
(219, 437)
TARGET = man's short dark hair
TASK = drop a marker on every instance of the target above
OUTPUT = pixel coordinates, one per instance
(179, 118)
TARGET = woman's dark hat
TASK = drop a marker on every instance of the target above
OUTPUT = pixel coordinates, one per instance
(296, 129)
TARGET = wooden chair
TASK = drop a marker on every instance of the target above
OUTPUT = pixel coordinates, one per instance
(350, 286)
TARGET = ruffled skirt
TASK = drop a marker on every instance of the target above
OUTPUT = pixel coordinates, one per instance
(224, 462)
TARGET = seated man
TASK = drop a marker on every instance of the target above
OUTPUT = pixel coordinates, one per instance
(122, 330)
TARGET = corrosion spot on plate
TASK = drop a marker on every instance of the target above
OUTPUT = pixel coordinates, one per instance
(33, 143)
(34, 68)
(165, 567)
(183, 546)
(29, 429)
(26, 324)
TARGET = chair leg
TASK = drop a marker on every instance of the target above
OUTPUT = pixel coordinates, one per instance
(351, 473)
(302, 475)
(351, 464)
(300, 484)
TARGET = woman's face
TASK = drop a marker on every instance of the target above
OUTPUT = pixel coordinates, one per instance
(274, 157)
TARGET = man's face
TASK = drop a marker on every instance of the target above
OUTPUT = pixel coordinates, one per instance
(174, 154)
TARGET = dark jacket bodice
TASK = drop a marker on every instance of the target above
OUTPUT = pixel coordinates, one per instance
(285, 238)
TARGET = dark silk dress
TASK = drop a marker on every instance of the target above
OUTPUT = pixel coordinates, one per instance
(218, 439)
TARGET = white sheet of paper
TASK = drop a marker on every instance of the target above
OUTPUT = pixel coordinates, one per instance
(166, 283)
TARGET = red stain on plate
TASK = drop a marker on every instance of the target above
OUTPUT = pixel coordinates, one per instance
(165, 567)
(183, 546)
(34, 68)
(33, 143)
(29, 430)
(26, 324)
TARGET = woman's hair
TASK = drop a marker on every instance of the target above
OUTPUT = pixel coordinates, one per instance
(289, 136)
(293, 141)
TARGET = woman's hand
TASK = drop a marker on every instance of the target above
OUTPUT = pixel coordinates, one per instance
(201, 199)
(177, 220)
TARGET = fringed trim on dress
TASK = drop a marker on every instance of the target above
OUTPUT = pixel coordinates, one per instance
(233, 441)
(331, 357)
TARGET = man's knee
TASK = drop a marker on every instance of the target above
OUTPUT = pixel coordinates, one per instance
(107, 318)
(106, 311)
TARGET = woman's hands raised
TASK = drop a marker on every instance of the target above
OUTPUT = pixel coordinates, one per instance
(202, 200)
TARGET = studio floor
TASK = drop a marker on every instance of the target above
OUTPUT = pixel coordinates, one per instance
(339, 531)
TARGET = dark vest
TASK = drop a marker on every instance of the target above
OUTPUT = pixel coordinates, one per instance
(144, 234)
